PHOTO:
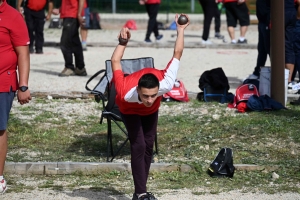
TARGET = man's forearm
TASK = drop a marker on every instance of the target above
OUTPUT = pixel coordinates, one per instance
(179, 44)
(23, 64)
(19, 4)
(117, 56)
(50, 7)
(80, 7)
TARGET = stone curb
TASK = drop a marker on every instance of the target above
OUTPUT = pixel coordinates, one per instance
(61, 168)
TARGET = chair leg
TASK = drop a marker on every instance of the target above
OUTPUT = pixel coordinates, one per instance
(109, 140)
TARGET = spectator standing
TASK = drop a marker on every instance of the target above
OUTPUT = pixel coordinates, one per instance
(237, 10)
(86, 25)
(263, 13)
(71, 13)
(35, 19)
(210, 10)
(138, 97)
(290, 18)
(14, 54)
(152, 7)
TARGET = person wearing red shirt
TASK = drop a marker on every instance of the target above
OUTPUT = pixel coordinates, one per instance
(237, 10)
(71, 13)
(138, 96)
(152, 7)
(14, 54)
(35, 19)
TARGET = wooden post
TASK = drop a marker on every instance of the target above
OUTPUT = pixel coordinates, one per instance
(277, 51)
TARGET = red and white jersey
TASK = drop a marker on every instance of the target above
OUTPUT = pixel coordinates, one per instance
(126, 87)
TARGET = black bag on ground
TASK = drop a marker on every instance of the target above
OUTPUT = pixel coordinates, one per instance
(222, 165)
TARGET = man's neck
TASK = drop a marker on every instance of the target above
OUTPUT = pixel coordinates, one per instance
(1, 2)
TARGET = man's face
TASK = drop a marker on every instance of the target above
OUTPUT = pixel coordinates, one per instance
(147, 96)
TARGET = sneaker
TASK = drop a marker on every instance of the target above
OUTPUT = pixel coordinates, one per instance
(80, 72)
(148, 41)
(219, 36)
(3, 186)
(39, 51)
(84, 46)
(290, 85)
(242, 42)
(151, 196)
(142, 197)
(31, 50)
(66, 72)
(159, 37)
(206, 42)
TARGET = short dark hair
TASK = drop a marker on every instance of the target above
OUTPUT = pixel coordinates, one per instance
(148, 81)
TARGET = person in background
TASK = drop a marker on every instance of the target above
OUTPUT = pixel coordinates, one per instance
(71, 13)
(210, 10)
(14, 72)
(138, 96)
(152, 7)
(263, 13)
(290, 18)
(85, 27)
(237, 10)
(34, 12)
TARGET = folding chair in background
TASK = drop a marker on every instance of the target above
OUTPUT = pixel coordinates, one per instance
(105, 91)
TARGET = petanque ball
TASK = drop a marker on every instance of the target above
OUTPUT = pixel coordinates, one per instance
(122, 41)
(182, 19)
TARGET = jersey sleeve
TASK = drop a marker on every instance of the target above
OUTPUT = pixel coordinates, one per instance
(19, 34)
(169, 77)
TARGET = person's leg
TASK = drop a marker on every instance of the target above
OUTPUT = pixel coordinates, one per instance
(231, 33)
(152, 10)
(84, 30)
(209, 8)
(242, 13)
(149, 124)
(3, 150)
(77, 49)
(296, 49)
(136, 137)
(231, 20)
(30, 27)
(66, 46)
(6, 100)
(83, 35)
(290, 20)
(39, 19)
(261, 48)
(217, 17)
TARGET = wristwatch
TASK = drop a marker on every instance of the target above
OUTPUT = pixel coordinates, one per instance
(23, 88)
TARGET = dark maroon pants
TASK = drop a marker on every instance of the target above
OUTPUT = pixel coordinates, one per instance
(141, 133)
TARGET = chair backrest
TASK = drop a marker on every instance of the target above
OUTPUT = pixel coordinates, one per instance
(128, 66)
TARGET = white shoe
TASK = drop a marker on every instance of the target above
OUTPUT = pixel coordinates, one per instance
(3, 186)
(206, 42)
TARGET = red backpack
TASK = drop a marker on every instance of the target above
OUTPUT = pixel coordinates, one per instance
(36, 5)
(178, 93)
(243, 93)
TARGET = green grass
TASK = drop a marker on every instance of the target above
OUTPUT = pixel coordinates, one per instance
(193, 137)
